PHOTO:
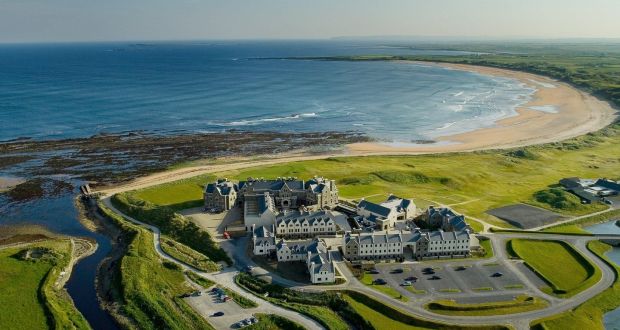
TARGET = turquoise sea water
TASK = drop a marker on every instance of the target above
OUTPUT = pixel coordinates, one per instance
(77, 90)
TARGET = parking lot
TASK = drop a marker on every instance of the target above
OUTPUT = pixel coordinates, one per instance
(209, 303)
(454, 278)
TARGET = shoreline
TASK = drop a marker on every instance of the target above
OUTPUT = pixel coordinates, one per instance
(576, 113)
(601, 112)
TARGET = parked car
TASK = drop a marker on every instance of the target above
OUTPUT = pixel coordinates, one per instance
(427, 269)
(435, 277)
(253, 320)
(411, 278)
(373, 271)
(218, 314)
(379, 281)
(397, 271)
(460, 268)
(498, 274)
(407, 283)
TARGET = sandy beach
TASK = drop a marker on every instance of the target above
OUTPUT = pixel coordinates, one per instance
(577, 113)
(574, 113)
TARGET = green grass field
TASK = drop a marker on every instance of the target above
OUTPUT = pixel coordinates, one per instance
(548, 257)
(519, 305)
(588, 315)
(447, 178)
(149, 287)
(27, 291)
(177, 195)
(383, 317)
(274, 322)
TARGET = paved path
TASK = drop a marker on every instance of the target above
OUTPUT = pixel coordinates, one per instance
(573, 219)
(521, 320)
(225, 277)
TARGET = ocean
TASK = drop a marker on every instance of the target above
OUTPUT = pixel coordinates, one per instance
(61, 91)
(55, 91)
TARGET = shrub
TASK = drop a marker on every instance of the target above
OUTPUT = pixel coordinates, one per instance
(557, 198)
(172, 224)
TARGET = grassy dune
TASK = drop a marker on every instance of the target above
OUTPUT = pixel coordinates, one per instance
(547, 258)
(27, 293)
(588, 315)
(485, 179)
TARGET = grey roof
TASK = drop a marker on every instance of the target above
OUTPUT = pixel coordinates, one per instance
(224, 187)
(440, 235)
(400, 202)
(298, 247)
(443, 211)
(264, 203)
(458, 222)
(262, 231)
(296, 216)
(272, 185)
(374, 208)
(608, 184)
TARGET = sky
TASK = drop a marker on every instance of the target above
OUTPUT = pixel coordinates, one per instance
(119, 20)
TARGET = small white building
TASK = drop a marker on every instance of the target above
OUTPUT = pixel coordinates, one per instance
(385, 214)
(263, 240)
(314, 253)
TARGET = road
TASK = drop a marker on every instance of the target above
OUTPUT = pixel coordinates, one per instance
(520, 321)
(225, 277)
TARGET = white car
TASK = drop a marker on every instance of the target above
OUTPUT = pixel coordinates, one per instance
(407, 283)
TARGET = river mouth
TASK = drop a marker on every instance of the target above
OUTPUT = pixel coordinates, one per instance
(41, 180)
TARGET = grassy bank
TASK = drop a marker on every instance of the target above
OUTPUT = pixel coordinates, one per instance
(172, 225)
(274, 322)
(188, 255)
(382, 316)
(150, 288)
(327, 308)
(547, 257)
(28, 295)
(575, 227)
(588, 315)
(519, 305)
(447, 178)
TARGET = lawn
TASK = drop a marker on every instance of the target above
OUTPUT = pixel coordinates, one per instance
(446, 178)
(519, 305)
(178, 195)
(588, 315)
(27, 292)
(546, 258)
(385, 289)
(385, 317)
(274, 322)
